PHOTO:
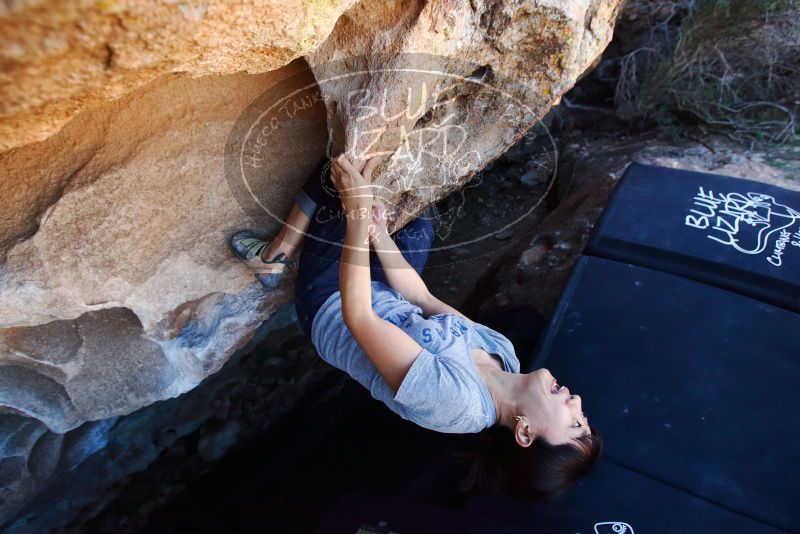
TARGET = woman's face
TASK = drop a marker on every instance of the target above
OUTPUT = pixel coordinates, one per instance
(553, 412)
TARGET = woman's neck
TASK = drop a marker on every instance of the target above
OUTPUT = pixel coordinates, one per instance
(505, 388)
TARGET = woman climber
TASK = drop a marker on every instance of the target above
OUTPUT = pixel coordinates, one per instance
(372, 316)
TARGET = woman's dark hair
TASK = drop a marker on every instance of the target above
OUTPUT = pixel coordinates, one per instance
(541, 471)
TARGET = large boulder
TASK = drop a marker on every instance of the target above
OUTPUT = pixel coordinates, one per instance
(121, 126)
(62, 58)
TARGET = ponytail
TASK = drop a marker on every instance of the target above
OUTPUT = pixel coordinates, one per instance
(496, 464)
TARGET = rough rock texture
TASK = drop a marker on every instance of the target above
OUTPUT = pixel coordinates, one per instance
(92, 464)
(61, 58)
(124, 293)
(505, 64)
(116, 283)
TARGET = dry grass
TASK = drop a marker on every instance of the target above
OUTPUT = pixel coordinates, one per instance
(727, 66)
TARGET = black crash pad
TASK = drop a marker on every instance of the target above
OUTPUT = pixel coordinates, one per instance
(363, 514)
(736, 234)
(694, 389)
(619, 500)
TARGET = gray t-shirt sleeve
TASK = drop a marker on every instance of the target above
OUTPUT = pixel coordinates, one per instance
(438, 394)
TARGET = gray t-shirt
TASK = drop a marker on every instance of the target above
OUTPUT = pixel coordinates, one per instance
(442, 390)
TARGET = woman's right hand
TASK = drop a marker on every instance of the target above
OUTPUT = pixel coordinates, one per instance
(355, 188)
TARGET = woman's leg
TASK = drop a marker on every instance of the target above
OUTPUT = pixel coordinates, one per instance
(318, 272)
(308, 198)
(290, 235)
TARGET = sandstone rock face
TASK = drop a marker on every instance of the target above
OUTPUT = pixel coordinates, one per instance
(61, 58)
(447, 86)
(118, 123)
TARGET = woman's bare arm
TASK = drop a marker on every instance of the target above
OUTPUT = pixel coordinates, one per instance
(399, 273)
(391, 350)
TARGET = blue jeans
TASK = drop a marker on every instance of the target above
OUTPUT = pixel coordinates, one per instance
(318, 272)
